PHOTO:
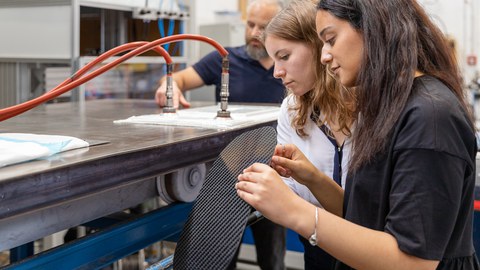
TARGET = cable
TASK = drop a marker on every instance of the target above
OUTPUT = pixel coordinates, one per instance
(160, 27)
(180, 44)
(77, 79)
(67, 84)
(171, 27)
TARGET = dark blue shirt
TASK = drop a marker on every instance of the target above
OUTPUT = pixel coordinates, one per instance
(249, 80)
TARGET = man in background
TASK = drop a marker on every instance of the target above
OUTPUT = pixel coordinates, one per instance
(251, 80)
(251, 69)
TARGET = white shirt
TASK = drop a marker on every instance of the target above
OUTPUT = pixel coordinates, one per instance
(316, 147)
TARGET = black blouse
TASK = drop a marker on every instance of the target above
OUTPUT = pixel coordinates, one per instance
(420, 189)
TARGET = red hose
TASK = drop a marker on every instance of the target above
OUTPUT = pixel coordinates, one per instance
(77, 79)
(68, 83)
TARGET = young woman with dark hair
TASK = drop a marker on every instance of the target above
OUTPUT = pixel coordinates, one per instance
(408, 201)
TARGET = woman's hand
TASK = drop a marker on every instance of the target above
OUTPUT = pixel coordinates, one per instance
(289, 161)
(261, 187)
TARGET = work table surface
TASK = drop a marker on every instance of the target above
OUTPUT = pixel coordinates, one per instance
(120, 156)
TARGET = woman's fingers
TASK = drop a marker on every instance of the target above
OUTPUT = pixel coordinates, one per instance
(247, 188)
(286, 163)
(244, 195)
(281, 170)
(257, 167)
(244, 186)
(284, 150)
(278, 150)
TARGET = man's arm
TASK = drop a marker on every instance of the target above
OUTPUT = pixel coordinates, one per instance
(183, 80)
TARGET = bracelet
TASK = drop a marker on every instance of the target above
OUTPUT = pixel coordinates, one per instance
(313, 237)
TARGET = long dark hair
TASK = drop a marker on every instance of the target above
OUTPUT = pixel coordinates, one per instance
(399, 38)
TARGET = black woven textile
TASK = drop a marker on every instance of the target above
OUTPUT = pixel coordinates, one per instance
(218, 218)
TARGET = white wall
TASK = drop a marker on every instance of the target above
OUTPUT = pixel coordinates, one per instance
(205, 9)
(203, 13)
(459, 19)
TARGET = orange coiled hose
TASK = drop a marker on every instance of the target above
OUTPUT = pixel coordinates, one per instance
(78, 78)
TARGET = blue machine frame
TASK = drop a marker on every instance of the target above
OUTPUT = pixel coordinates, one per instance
(101, 249)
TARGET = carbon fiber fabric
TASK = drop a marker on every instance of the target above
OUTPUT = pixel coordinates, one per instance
(218, 218)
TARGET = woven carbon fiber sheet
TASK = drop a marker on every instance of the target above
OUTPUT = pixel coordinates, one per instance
(218, 218)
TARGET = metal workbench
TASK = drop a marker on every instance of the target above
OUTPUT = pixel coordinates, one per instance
(41, 197)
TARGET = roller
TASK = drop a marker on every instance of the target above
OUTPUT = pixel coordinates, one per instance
(182, 185)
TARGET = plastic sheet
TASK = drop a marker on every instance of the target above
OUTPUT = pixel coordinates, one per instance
(205, 117)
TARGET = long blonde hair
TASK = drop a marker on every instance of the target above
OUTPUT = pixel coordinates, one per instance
(296, 22)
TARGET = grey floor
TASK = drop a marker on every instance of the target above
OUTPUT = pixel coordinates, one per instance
(247, 258)
(244, 266)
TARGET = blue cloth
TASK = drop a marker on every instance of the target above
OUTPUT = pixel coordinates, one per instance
(52, 146)
(21, 147)
(249, 80)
